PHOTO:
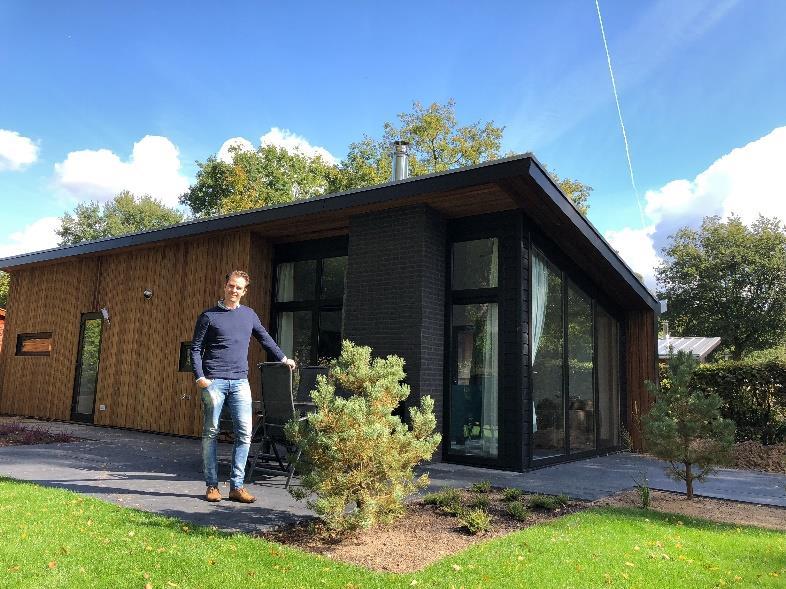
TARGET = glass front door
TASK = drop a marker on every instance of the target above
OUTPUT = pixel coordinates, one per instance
(86, 379)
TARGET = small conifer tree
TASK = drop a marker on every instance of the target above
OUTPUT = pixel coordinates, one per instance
(685, 427)
(358, 458)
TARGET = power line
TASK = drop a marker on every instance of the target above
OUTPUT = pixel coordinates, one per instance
(619, 112)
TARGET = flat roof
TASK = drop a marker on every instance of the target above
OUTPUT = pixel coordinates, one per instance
(520, 179)
(700, 347)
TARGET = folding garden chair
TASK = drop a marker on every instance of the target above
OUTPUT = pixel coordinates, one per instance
(278, 408)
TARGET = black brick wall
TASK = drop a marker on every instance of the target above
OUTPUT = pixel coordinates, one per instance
(395, 293)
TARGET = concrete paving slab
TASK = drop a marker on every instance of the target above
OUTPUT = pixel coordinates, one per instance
(162, 474)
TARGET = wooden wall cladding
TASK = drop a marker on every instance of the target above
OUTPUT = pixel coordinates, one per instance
(642, 359)
(139, 383)
(50, 300)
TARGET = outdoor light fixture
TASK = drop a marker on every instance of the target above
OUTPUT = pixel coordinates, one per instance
(148, 294)
(105, 314)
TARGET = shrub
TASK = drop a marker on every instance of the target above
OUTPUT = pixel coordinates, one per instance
(476, 521)
(480, 502)
(517, 510)
(512, 494)
(358, 458)
(547, 502)
(753, 394)
(684, 426)
(643, 489)
(481, 487)
(447, 500)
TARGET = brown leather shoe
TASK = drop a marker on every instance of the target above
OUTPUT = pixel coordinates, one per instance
(213, 494)
(241, 495)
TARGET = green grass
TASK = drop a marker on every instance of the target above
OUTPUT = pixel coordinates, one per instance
(95, 544)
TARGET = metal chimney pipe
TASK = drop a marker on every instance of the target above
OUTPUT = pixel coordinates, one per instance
(400, 161)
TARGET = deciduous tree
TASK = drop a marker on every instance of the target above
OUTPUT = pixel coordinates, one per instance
(5, 281)
(728, 280)
(124, 214)
(267, 176)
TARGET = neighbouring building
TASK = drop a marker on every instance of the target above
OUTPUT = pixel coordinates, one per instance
(510, 309)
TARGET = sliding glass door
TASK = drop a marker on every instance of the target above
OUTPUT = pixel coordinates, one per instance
(575, 367)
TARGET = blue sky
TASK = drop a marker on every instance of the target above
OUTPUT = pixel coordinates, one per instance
(701, 83)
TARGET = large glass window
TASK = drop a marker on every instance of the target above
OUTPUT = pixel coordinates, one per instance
(473, 404)
(548, 422)
(581, 404)
(575, 367)
(307, 308)
(608, 368)
(474, 350)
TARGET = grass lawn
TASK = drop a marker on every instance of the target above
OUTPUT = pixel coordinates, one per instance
(55, 538)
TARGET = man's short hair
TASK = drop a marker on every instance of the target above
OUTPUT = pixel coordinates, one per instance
(239, 274)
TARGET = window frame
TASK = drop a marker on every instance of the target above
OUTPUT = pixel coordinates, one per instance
(317, 250)
(21, 338)
(571, 277)
(463, 297)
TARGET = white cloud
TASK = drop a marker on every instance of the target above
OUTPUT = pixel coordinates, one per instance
(39, 235)
(16, 151)
(153, 168)
(635, 247)
(241, 143)
(749, 181)
(292, 142)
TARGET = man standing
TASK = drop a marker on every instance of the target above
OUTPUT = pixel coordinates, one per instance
(219, 356)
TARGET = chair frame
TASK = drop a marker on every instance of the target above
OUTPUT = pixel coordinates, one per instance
(273, 431)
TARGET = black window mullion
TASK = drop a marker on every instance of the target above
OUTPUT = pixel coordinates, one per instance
(565, 367)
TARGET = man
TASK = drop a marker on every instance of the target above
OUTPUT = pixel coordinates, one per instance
(219, 356)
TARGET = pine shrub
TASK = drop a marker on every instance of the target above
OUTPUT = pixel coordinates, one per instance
(358, 458)
(685, 428)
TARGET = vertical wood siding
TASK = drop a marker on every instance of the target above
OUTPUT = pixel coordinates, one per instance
(642, 357)
(47, 300)
(139, 382)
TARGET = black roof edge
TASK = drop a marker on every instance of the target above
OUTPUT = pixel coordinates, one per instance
(539, 174)
(482, 173)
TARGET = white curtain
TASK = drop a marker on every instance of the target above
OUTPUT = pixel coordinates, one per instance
(490, 426)
(286, 332)
(285, 285)
(539, 292)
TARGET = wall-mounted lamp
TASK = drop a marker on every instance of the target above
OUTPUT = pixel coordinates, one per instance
(105, 314)
(148, 294)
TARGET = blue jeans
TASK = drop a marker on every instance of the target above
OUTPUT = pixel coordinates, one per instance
(237, 393)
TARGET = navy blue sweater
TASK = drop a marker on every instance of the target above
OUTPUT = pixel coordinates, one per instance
(219, 348)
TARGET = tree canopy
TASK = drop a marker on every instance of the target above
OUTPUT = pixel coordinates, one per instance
(273, 175)
(5, 280)
(270, 175)
(125, 213)
(729, 280)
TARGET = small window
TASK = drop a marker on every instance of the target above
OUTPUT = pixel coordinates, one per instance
(296, 281)
(184, 364)
(475, 264)
(34, 344)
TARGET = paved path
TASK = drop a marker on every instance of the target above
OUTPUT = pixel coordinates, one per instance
(162, 474)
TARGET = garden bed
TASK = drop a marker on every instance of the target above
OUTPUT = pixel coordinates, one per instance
(424, 535)
(14, 433)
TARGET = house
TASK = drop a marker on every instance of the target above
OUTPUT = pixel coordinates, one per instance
(510, 309)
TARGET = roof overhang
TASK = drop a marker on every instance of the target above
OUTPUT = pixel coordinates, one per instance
(518, 182)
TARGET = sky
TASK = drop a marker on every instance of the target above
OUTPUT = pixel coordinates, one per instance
(97, 97)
